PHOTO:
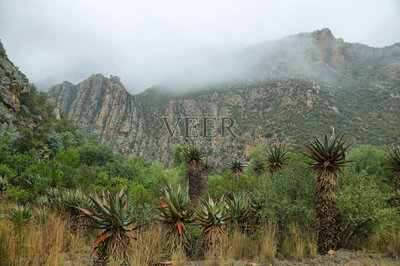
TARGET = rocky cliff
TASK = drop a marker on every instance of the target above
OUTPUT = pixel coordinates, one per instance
(13, 84)
(294, 89)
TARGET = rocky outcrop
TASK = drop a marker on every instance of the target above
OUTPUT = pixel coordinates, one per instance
(13, 84)
(102, 106)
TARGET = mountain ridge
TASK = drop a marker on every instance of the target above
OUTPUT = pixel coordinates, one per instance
(336, 84)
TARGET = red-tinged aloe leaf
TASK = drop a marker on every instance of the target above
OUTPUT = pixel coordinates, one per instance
(84, 210)
(105, 236)
(179, 224)
(164, 205)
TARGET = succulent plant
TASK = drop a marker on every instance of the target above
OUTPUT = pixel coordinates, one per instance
(69, 200)
(328, 157)
(41, 215)
(113, 214)
(43, 201)
(258, 167)
(212, 215)
(393, 161)
(192, 155)
(237, 167)
(175, 212)
(196, 172)
(276, 158)
(20, 215)
(241, 209)
(53, 193)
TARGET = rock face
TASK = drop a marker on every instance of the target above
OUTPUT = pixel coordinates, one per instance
(13, 83)
(102, 106)
(296, 88)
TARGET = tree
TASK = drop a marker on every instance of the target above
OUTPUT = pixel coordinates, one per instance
(328, 157)
(194, 175)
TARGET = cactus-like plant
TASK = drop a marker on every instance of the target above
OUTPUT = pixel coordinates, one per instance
(175, 212)
(213, 215)
(69, 200)
(276, 158)
(328, 158)
(196, 177)
(241, 209)
(41, 215)
(20, 215)
(53, 193)
(258, 167)
(393, 162)
(43, 201)
(114, 215)
(237, 167)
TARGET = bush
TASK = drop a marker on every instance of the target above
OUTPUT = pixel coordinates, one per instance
(18, 195)
(288, 197)
(25, 143)
(371, 160)
(94, 154)
(364, 207)
(55, 143)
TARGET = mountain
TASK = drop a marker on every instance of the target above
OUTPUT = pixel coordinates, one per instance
(289, 90)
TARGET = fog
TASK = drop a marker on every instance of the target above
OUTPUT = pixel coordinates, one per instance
(148, 42)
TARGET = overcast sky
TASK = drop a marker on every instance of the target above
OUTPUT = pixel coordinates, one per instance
(144, 42)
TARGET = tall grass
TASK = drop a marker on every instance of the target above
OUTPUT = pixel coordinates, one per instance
(51, 242)
(48, 243)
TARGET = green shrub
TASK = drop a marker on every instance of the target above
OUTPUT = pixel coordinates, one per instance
(372, 160)
(94, 154)
(364, 207)
(287, 198)
(17, 194)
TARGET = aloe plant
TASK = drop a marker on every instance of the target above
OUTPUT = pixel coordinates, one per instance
(20, 215)
(43, 201)
(53, 193)
(41, 215)
(393, 162)
(113, 214)
(258, 167)
(241, 209)
(237, 168)
(69, 200)
(276, 158)
(328, 158)
(175, 212)
(196, 177)
(212, 215)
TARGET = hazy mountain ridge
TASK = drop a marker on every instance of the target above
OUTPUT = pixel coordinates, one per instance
(292, 93)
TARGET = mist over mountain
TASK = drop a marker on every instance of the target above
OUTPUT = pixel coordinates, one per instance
(282, 91)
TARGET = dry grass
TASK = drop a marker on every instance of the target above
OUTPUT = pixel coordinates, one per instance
(299, 244)
(53, 243)
(49, 243)
(386, 242)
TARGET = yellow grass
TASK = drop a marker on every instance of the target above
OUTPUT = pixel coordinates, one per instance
(53, 243)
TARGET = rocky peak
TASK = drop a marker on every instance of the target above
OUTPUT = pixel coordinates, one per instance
(323, 34)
